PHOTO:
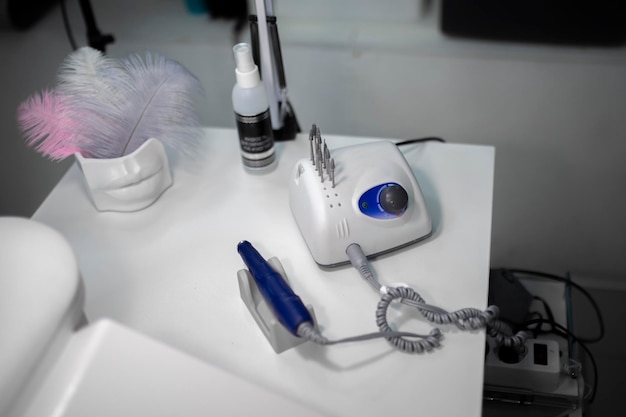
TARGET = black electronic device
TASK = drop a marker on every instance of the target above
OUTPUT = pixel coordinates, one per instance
(22, 14)
(574, 22)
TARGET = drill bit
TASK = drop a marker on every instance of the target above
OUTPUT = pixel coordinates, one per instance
(311, 136)
(319, 164)
(327, 159)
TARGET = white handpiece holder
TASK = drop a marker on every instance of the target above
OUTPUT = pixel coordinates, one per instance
(371, 197)
(279, 337)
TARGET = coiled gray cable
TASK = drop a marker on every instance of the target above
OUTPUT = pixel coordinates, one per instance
(400, 343)
(465, 319)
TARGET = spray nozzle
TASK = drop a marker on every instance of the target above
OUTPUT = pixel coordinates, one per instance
(243, 58)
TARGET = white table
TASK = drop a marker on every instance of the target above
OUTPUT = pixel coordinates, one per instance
(169, 271)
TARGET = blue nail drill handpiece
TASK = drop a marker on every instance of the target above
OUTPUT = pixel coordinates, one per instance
(284, 303)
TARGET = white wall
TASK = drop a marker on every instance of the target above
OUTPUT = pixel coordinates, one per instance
(555, 115)
(29, 62)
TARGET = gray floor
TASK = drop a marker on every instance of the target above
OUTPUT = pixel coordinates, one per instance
(31, 59)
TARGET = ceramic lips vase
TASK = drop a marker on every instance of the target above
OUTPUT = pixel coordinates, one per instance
(128, 183)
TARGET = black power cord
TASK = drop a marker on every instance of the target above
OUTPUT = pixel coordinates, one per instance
(95, 38)
(535, 325)
(420, 140)
(594, 305)
(67, 26)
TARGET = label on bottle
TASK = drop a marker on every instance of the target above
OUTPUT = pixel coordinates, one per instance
(256, 139)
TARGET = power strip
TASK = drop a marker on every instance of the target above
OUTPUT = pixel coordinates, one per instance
(537, 367)
(365, 194)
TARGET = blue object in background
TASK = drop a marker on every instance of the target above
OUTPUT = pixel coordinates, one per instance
(197, 6)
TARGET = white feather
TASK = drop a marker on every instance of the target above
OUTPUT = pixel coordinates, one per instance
(122, 103)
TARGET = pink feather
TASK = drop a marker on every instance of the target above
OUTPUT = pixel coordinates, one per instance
(103, 107)
(48, 125)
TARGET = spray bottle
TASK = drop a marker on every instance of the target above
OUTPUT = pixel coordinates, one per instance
(252, 113)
